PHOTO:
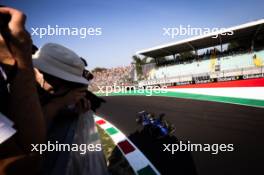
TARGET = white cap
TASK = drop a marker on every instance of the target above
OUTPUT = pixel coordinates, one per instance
(60, 62)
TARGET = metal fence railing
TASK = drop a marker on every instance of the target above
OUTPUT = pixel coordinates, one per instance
(245, 72)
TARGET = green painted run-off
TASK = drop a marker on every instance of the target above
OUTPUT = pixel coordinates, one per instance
(232, 100)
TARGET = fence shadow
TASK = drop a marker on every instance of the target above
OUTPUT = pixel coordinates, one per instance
(165, 162)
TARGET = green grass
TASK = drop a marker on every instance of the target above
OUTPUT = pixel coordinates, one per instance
(107, 143)
(222, 99)
(116, 162)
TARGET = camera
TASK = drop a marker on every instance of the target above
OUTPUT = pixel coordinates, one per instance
(4, 30)
(4, 20)
(87, 75)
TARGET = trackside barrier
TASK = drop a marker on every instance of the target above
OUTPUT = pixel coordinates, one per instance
(246, 72)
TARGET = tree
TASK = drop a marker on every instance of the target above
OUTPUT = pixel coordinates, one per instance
(98, 69)
(147, 60)
(232, 45)
(138, 64)
(187, 55)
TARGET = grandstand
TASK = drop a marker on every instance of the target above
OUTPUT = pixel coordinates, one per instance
(109, 77)
(208, 63)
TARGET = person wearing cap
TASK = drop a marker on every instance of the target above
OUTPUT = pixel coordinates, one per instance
(62, 82)
(63, 94)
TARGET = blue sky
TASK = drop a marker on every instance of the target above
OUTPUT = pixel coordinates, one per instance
(129, 26)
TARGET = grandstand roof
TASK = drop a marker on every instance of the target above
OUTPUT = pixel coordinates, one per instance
(204, 41)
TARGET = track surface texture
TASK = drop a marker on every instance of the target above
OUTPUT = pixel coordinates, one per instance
(199, 122)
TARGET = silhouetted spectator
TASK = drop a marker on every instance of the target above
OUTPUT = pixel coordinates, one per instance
(20, 98)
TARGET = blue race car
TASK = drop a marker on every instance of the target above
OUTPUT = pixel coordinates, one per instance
(157, 127)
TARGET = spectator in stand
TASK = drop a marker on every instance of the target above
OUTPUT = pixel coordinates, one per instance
(109, 77)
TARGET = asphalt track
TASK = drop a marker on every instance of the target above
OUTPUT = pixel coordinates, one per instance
(200, 122)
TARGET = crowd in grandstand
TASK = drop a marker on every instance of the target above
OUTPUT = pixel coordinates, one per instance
(209, 53)
(107, 77)
(211, 66)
